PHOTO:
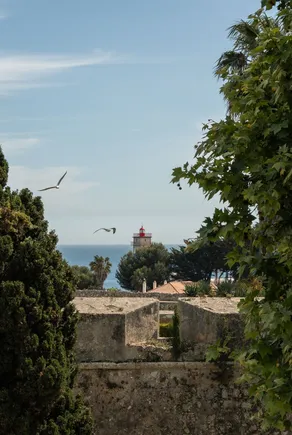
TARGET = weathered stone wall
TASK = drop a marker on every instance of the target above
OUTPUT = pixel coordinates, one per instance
(134, 394)
(123, 294)
(107, 327)
(166, 399)
(100, 338)
(142, 323)
(205, 321)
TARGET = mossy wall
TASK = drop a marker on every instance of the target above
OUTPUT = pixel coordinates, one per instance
(166, 398)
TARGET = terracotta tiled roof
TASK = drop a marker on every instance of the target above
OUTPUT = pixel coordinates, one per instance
(172, 287)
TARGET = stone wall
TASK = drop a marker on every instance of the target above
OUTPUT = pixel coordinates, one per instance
(145, 388)
(166, 399)
(141, 323)
(108, 327)
(125, 294)
(207, 321)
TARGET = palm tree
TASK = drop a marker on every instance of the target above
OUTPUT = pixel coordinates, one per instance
(245, 36)
(101, 268)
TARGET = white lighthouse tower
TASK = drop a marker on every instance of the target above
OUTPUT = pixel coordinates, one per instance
(141, 239)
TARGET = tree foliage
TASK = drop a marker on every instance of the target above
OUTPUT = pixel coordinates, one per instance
(246, 159)
(83, 276)
(37, 323)
(93, 276)
(151, 263)
(190, 265)
(281, 4)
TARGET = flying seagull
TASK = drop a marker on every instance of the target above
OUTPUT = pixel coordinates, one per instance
(106, 229)
(54, 187)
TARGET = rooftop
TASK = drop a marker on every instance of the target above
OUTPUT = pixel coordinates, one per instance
(172, 287)
(105, 305)
(217, 305)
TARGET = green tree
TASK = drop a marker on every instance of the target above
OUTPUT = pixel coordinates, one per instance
(189, 265)
(247, 161)
(101, 268)
(244, 35)
(151, 263)
(37, 323)
(281, 4)
(84, 277)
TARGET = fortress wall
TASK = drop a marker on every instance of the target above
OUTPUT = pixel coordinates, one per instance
(166, 398)
(136, 386)
(92, 293)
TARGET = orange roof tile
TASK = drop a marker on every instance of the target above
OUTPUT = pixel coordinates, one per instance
(172, 287)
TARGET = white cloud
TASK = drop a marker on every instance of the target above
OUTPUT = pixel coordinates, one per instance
(7, 88)
(25, 67)
(20, 143)
(22, 119)
(24, 71)
(12, 134)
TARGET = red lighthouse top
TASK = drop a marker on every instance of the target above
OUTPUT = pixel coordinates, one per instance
(142, 232)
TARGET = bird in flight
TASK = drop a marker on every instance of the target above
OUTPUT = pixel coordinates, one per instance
(106, 229)
(57, 185)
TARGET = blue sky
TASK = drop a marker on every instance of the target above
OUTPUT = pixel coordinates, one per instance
(114, 92)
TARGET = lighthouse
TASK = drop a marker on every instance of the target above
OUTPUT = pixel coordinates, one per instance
(141, 239)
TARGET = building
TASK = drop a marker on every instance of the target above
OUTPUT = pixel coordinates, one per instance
(141, 239)
(172, 287)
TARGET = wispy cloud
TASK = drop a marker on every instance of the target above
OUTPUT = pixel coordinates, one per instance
(26, 71)
(23, 119)
(16, 145)
(10, 134)
(7, 88)
(19, 72)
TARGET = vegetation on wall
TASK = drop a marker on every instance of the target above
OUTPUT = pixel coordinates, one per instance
(37, 323)
(246, 159)
(176, 343)
(166, 329)
(224, 288)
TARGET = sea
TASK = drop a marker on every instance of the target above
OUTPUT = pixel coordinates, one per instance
(82, 255)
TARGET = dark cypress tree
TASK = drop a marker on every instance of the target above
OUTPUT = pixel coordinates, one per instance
(37, 323)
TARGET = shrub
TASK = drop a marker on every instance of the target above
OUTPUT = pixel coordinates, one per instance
(176, 343)
(225, 288)
(166, 329)
(198, 289)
